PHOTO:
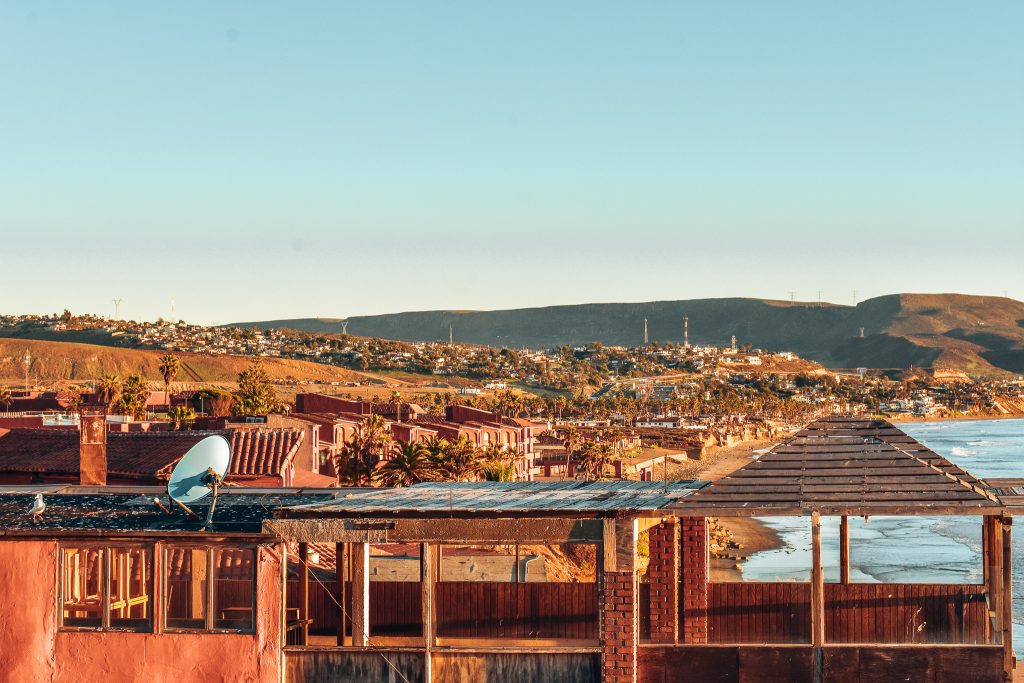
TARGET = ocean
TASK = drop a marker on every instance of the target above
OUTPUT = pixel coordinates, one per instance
(913, 549)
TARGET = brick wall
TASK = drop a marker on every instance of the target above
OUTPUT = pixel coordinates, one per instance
(693, 537)
(619, 628)
(663, 576)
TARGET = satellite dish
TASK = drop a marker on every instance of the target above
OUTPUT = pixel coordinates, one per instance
(200, 473)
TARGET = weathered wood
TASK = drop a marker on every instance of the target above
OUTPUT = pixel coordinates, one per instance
(359, 554)
(535, 667)
(340, 579)
(304, 591)
(844, 550)
(1007, 598)
(496, 531)
(327, 530)
(428, 593)
(626, 532)
(817, 584)
(608, 544)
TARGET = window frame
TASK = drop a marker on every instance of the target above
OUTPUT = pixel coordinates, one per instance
(105, 585)
(211, 582)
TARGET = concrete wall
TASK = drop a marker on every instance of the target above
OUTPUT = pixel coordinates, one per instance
(32, 649)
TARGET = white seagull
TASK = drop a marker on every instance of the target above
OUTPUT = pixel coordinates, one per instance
(38, 505)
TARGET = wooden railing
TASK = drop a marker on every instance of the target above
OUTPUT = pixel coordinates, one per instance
(854, 613)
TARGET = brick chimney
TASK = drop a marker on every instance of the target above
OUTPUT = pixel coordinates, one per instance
(92, 448)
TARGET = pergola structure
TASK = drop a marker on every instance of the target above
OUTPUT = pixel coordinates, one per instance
(859, 467)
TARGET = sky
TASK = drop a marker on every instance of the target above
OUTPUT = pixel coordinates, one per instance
(262, 160)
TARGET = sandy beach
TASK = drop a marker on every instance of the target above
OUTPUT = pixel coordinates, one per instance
(749, 534)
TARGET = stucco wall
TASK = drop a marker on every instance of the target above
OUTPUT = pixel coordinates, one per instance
(28, 610)
(32, 650)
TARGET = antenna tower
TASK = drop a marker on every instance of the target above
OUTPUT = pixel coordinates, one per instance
(344, 327)
(451, 336)
(117, 308)
(686, 332)
(646, 342)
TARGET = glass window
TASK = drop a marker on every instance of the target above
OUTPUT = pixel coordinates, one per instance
(186, 588)
(211, 588)
(117, 579)
(82, 584)
(130, 588)
(234, 569)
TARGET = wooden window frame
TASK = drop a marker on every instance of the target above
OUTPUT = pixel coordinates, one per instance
(209, 549)
(105, 548)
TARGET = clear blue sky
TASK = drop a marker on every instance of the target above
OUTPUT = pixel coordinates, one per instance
(282, 159)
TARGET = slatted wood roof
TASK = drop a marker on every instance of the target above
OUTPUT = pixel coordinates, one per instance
(846, 466)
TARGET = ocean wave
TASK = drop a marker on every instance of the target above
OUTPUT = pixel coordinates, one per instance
(961, 452)
(980, 442)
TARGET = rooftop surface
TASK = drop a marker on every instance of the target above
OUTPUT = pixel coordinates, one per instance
(501, 498)
(850, 466)
(73, 510)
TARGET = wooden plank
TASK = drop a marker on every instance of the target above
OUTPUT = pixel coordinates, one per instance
(304, 591)
(360, 559)
(535, 530)
(1007, 597)
(817, 584)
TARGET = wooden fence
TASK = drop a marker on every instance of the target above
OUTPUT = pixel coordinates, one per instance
(465, 609)
(854, 613)
(475, 609)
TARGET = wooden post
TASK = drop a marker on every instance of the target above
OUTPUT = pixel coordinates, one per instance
(339, 590)
(844, 550)
(304, 591)
(428, 575)
(360, 557)
(817, 598)
(1007, 598)
(995, 578)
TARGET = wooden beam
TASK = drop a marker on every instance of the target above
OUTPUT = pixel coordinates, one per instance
(608, 546)
(995, 578)
(428, 576)
(339, 589)
(509, 530)
(844, 549)
(817, 584)
(360, 557)
(325, 530)
(304, 590)
(1007, 597)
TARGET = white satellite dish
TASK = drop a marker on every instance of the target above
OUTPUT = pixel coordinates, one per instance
(200, 473)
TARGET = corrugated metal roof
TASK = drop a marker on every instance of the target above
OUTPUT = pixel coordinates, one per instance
(499, 498)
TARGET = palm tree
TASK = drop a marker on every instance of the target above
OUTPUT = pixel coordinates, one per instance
(409, 464)
(593, 459)
(6, 400)
(182, 416)
(363, 451)
(169, 366)
(134, 397)
(108, 391)
(457, 461)
(497, 463)
(570, 442)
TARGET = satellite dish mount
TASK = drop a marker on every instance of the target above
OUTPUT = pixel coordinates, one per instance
(199, 473)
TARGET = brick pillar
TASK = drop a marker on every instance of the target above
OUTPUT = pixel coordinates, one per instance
(663, 574)
(693, 535)
(619, 628)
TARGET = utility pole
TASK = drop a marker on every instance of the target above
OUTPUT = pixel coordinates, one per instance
(686, 332)
(819, 298)
(646, 342)
(117, 308)
(792, 297)
(344, 327)
(28, 365)
(451, 337)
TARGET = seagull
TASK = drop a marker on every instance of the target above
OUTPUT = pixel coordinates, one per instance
(38, 505)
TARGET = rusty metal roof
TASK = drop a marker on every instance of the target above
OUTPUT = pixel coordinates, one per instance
(501, 498)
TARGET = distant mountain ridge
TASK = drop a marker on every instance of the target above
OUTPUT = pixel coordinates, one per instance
(980, 335)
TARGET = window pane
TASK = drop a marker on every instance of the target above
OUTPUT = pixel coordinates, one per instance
(186, 588)
(233, 600)
(82, 588)
(130, 588)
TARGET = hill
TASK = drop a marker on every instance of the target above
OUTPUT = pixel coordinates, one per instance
(56, 361)
(980, 335)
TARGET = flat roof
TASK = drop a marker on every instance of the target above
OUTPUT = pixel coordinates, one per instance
(530, 498)
(123, 510)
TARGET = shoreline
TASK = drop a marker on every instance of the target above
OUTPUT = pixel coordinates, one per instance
(972, 418)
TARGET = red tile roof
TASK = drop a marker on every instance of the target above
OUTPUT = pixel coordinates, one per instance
(146, 455)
